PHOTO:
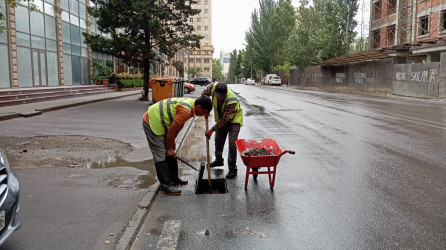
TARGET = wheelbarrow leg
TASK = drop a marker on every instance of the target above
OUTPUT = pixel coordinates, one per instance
(274, 177)
(271, 185)
(247, 177)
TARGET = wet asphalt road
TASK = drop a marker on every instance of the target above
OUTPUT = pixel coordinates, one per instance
(369, 173)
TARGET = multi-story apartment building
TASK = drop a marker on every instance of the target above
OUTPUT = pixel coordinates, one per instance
(202, 23)
(412, 30)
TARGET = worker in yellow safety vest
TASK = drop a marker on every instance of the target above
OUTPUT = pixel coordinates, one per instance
(161, 123)
(229, 119)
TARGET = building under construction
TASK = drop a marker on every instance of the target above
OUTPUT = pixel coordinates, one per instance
(409, 30)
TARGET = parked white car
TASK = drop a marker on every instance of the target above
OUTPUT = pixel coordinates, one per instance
(275, 80)
(250, 81)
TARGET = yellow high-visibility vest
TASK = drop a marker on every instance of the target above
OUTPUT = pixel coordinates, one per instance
(161, 114)
(237, 115)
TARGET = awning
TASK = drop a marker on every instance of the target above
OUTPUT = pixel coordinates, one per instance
(362, 56)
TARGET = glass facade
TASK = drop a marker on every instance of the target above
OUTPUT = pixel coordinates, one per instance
(4, 54)
(37, 45)
(74, 16)
(36, 38)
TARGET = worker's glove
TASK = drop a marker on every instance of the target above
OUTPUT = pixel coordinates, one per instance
(209, 133)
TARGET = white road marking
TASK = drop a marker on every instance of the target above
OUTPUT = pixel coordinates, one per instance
(169, 236)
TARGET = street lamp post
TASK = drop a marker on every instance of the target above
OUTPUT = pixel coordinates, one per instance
(251, 71)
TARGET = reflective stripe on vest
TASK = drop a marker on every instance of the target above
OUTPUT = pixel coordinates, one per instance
(237, 114)
(161, 114)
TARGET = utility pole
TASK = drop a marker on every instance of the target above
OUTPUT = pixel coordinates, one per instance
(251, 71)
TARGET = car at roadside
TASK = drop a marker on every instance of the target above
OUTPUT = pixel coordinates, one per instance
(275, 80)
(250, 81)
(201, 81)
(10, 219)
(188, 88)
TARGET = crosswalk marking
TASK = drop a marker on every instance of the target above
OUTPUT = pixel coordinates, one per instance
(169, 236)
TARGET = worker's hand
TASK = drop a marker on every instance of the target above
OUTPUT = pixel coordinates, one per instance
(209, 133)
(171, 153)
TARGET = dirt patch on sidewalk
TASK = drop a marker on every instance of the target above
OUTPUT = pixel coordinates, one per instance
(59, 151)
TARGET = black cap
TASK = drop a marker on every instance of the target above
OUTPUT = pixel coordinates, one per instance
(220, 90)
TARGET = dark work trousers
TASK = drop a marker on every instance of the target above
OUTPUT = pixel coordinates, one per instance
(233, 130)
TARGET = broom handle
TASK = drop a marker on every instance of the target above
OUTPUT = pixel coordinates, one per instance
(208, 157)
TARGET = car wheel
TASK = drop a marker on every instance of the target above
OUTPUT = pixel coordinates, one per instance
(186, 90)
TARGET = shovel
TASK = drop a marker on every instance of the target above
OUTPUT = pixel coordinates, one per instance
(187, 163)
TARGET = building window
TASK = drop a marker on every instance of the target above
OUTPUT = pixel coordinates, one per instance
(206, 60)
(198, 19)
(206, 28)
(375, 38)
(391, 35)
(198, 60)
(206, 11)
(206, 2)
(198, 28)
(391, 7)
(376, 12)
(423, 26)
(206, 52)
(191, 19)
(443, 21)
(206, 69)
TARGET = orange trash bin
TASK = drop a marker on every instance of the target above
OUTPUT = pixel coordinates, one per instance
(162, 88)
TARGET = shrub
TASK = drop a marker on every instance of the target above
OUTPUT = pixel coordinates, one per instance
(130, 83)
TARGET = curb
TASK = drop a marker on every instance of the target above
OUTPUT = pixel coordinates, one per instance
(131, 230)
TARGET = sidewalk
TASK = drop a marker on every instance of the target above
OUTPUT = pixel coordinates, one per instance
(37, 108)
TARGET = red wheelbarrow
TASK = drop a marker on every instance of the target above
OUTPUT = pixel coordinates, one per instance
(254, 162)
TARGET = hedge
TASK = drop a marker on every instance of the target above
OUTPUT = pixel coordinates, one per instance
(130, 83)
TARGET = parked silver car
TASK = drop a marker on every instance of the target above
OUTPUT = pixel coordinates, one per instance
(9, 200)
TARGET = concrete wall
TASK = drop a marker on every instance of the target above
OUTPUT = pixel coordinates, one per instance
(442, 80)
(375, 76)
(416, 80)
(422, 80)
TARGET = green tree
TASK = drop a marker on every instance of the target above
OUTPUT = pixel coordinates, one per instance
(217, 71)
(143, 31)
(325, 30)
(270, 28)
(194, 71)
(234, 66)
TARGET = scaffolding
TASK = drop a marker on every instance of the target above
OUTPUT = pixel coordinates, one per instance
(403, 23)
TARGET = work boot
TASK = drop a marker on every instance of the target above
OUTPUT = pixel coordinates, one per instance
(173, 170)
(231, 174)
(217, 163)
(162, 172)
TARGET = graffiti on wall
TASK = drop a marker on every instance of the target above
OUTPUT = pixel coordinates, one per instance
(360, 77)
(420, 76)
(314, 77)
(340, 77)
(400, 76)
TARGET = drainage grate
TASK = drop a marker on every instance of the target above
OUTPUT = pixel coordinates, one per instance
(218, 186)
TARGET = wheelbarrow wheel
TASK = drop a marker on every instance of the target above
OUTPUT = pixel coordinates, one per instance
(254, 176)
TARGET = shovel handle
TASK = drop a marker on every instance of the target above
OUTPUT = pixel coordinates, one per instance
(187, 163)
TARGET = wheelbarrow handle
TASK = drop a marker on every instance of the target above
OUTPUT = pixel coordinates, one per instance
(287, 151)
